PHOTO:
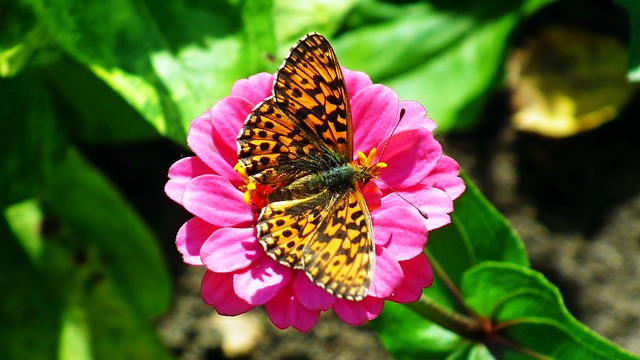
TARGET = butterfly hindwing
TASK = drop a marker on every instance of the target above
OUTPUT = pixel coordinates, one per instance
(285, 227)
(340, 256)
(327, 235)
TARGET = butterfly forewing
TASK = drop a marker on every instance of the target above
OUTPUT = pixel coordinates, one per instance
(272, 149)
(310, 86)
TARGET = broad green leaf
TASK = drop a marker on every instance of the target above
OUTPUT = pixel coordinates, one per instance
(633, 7)
(259, 35)
(30, 306)
(296, 18)
(447, 57)
(32, 138)
(406, 335)
(89, 267)
(94, 113)
(23, 42)
(169, 77)
(84, 200)
(477, 233)
(529, 312)
(455, 83)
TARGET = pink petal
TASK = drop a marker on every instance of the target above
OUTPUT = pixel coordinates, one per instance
(419, 275)
(228, 116)
(180, 173)
(200, 140)
(355, 81)
(217, 291)
(400, 231)
(255, 89)
(411, 155)
(262, 281)
(445, 176)
(358, 312)
(311, 295)
(375, 113)
(386, 276)
(285, 310)
(372, 195)
(415, 115)
(215, 200)
(190, 238)
(435, 202)
(231, 249)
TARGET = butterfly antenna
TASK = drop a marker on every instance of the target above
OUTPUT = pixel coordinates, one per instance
(402, 111)
(422, 213)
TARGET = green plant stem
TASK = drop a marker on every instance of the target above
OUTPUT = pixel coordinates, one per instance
(448, 319)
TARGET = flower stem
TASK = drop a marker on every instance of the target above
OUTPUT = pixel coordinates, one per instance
(448, 319)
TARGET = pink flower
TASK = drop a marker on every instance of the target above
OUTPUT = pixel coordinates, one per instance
(222, 234)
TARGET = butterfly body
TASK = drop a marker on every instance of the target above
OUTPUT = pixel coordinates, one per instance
(300, 142)
(337, 180)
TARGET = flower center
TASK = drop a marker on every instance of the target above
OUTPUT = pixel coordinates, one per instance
(249, 187)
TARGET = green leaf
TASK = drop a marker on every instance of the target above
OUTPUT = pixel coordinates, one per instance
(85, 201)
(93, 113)
(169, 77)
(296, 18)
(478, 233)
(259, 35)
(406, 335)
(633, 7)
(447, 57)
(30, 306)
(90, 256)
(528, 311)
(32, 138)
(23, 42)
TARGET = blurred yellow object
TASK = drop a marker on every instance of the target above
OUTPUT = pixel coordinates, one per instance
(566, 80)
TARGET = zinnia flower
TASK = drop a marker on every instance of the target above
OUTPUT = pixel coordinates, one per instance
(222, 234)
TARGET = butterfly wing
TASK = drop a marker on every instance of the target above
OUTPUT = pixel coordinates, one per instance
(305, 127)
(310, 86)
(327, 235)
(273, 149)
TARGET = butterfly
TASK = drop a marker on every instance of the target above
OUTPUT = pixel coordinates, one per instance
(300, 141)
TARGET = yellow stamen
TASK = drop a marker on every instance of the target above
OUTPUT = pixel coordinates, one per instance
(240, 169)
(367, 161)
(250, 183)
(246, 197)
(371, 156)
(362, 158)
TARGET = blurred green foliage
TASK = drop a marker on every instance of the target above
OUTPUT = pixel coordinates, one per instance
(81, 274)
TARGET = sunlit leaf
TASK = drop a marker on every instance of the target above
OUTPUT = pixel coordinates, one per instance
(529, 312)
